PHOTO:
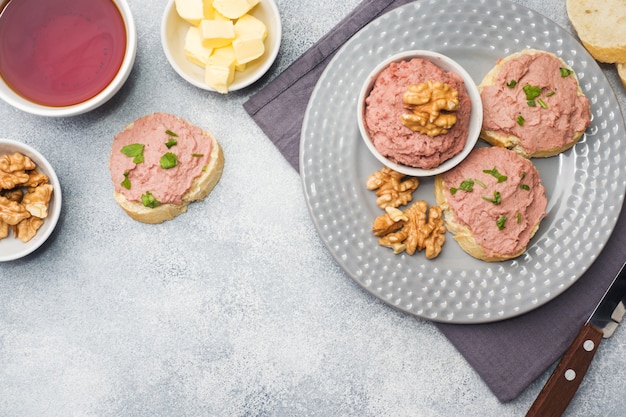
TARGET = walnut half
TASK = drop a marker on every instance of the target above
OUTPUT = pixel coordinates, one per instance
(392, 189)
(433, 105)
(419, 232)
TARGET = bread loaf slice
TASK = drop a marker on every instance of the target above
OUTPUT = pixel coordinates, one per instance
(601, 27)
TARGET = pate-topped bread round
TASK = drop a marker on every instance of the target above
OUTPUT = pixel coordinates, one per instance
(160, 163)
(493, 203)
(533, 104)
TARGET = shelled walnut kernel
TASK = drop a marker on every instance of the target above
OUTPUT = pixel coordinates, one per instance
(24, 197)
(416, 228)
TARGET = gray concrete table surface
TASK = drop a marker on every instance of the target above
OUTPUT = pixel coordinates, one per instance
(234, 308)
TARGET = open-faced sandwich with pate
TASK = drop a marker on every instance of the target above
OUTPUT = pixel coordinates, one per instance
(533, 104)
(160, 163)
(492, 203)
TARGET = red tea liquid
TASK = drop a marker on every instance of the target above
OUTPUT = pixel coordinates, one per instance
(60, 52)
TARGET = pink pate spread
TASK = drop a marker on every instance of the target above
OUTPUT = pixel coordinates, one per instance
(543, 128)
(384, 108)
(504, 228)
(192, 148)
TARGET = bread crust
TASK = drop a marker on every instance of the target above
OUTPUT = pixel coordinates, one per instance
(200, 188)
(511, 141)
(621, 71)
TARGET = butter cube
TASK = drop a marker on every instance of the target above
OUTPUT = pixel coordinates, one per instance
(219, 77)
(247, 50)
(208, 9)
(194, 50)
(234, 9)
(210, 13)
(216, 33)
(224, 56)
(219, 72)
(248, 26)
(190, 10)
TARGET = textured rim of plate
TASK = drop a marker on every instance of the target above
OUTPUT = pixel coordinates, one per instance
(583, 205)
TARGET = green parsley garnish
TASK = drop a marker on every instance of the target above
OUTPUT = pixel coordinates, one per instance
(494, 172)
(550, 93)
(524, 186)
(126, 182)
(479, 182)
(204, 168)
(197, 155)
(511, 84)
(135, 151)
(169, 132)
(520, 120)
(500, 222)
(171, 142)
(519, 218)
(466, 185)
(497, 198)
(542, 103)
(169, 160)
(565, 72)
(148, 200)
(532, 92)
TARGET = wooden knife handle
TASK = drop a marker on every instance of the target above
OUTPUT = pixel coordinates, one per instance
(566, 378)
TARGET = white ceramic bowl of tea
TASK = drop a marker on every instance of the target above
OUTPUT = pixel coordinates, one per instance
(72, 64)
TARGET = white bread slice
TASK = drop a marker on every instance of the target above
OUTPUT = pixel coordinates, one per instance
(200, 188)
(511, 141)
(601, 27)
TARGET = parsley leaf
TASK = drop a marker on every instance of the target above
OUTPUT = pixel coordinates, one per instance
(126, 182)
(148, 200)
(135, 151)
(169, 160)
(494, 172)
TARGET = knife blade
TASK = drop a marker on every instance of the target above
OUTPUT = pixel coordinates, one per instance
(562, 385)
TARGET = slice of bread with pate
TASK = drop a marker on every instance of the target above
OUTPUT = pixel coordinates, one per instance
(533, 104)
(492, 202)
(160, 163)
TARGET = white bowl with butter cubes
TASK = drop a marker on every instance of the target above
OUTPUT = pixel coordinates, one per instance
(221, 45)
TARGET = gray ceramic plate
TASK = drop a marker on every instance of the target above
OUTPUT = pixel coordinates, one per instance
(585, 185)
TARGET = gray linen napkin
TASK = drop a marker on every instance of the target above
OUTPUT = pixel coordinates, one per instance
(508, 355)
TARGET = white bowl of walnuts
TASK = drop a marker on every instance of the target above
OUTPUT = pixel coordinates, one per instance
(30, 199)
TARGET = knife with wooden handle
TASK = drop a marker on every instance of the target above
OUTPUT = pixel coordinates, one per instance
(566, 378)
